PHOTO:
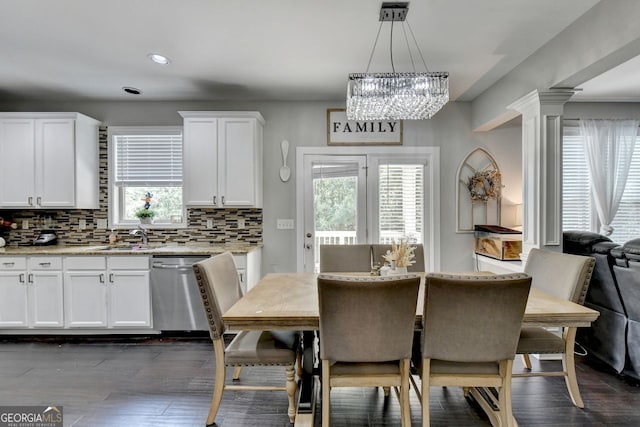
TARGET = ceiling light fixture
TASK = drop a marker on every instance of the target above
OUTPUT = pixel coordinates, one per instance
(131, 90)
(159, 59)
(396, 96)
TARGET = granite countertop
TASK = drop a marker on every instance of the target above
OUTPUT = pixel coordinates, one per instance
(152, 249)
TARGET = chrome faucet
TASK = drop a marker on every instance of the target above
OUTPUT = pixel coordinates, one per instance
(143, 232)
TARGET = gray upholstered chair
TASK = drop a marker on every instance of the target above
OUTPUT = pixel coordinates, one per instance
(219, 289)
(345, 258)
(381, 249)
(471, 326)
(383, 311)
(565, 276)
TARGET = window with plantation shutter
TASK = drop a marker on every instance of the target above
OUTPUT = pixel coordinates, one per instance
(401, 202)
(578, 212)
(146, 161)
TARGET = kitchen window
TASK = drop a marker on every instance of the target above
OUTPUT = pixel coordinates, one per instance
(578, 211)
(146, 161)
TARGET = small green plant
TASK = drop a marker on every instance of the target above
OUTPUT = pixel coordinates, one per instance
(145, 213)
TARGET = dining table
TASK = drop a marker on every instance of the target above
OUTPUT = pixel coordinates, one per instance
(289, 301)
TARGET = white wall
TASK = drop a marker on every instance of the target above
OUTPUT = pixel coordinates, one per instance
(304, 124)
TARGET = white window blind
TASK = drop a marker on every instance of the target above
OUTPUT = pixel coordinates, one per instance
(577, 208)
(148, 159)
(401, 202)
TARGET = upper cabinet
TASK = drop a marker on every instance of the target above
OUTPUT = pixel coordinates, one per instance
(49, 160)
(222, 158)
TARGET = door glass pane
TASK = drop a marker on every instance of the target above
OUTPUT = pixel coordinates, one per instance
(335, 204)
(401, 203)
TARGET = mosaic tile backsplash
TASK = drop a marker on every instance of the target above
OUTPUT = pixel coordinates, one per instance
(65, 222)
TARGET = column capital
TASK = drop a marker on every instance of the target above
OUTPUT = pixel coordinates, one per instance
(536, 99)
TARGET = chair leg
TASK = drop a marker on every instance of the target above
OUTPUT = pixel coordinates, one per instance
(299, 364)
(569, 367)
(236, 373)
(405, 409)
(218, 386)
(504, 394)
(426, 372)
(291, 392)
(326, 392)
(526, 360)
(387, 391)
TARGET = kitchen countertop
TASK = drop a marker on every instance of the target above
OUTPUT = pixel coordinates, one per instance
(152, 249)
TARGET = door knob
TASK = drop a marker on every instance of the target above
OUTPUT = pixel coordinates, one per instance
(307, 246)
(309, 235)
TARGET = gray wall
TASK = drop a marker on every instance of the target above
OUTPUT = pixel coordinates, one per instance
(304, 124)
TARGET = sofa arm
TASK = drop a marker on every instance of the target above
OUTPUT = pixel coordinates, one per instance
(581, 242)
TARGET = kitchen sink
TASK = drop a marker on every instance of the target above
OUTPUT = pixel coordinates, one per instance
(125, 248)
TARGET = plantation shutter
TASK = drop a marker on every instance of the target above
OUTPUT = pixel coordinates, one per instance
(401, 202)
(143, 159)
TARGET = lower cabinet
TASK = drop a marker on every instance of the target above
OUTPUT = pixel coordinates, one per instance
(31, 292)
(107, 292)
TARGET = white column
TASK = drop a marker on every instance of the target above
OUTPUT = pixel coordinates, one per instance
(542, 168)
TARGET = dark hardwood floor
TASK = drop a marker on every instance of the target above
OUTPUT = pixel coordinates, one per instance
(168, 382)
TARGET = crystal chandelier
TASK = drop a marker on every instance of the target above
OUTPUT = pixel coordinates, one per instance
(396, 96)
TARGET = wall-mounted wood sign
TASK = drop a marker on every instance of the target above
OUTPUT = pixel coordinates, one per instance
(341, 131)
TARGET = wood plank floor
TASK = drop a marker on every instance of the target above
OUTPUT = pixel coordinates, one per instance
(168, 382)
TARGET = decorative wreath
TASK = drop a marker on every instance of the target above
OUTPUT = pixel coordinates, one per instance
(484, 185)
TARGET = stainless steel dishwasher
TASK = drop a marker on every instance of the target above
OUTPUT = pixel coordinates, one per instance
(176, 300)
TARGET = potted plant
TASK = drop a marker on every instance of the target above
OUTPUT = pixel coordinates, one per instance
(145, 215)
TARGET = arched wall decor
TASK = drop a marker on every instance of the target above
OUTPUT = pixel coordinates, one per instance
(481, 165)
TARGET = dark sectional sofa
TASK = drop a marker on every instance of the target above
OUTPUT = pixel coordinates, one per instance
(614, 338)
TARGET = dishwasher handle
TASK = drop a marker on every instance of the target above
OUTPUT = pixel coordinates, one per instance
(171, 267)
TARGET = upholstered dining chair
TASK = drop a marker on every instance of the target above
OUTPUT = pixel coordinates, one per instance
(345, 258)
(219, 286)
(565, 276)
(471, 326)
(382, 310)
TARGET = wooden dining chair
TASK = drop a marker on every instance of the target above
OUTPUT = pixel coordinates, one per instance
(219, 286)
(383, 311)
(565, 276)
(345, 258)
(471, 326)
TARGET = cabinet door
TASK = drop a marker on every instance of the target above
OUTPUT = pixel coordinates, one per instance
(45, 299)
(200, 157)
(85, 299)
(55, 163)
(129, 299)
(13, 299)
(237, 166)
(17, 163)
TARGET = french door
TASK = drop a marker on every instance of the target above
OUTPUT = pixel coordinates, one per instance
(348, 195)
(334, 203)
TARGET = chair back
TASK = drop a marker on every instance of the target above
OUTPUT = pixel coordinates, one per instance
(367, 319)
(345, 258)
(417, 266)
(563, 275)
(473, 318)
(219, 286)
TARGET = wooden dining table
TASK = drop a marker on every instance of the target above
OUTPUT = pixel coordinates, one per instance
(289, 301)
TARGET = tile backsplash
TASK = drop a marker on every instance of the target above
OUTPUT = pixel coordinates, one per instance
(66, 222)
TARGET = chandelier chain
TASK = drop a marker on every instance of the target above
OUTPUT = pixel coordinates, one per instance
(406, 40)
(417, 47)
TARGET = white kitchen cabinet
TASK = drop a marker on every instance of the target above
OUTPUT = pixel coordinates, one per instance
(111, 292)
(49, 160)
(13, 292)
(31, 292)
(129, 292)
(45, 292)
(222, 154)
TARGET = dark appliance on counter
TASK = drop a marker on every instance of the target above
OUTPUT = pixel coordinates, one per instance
(46, 237)
(498, 242)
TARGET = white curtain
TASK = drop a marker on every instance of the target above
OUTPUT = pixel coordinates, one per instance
(608, 146)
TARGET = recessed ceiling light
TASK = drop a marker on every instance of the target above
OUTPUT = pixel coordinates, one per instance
(132, 90)
(159, 59)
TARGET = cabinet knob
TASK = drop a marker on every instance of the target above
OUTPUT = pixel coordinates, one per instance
(101, 278)
(39, 201)
(215, 200)
(30, 201)
(21, 277)
(222, 199)
(30, 278)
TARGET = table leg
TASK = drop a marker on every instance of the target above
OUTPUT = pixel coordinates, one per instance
(306, 401)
